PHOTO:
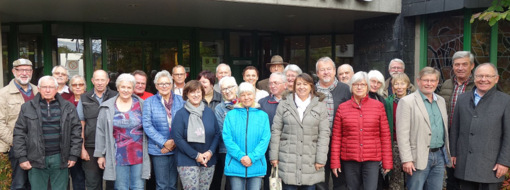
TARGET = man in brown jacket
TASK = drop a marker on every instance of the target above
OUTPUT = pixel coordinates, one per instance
(12, 96)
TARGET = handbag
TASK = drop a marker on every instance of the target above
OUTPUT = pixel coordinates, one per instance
(275, 183)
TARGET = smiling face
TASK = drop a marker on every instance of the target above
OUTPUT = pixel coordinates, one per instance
(400, 88)
(22, 74)
(276, 68)
(100, 80)
(141, 83)
(250, 76)
(222, 71)
(247, 98)
(428, 84)
(344, 74)
(195, 97)
(291, 77)
(164, 86)
(276, 85)
(179, 75)
(359, 89)
(326, 72)
(462, 68)
(303, 88)
(375, 85)
(206, 84)
(61, 75)
(396, 67)
(77, 86)
(125, 89)
(485, 78)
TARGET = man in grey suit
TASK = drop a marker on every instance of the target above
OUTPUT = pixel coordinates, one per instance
(480, 133)
(422, 133)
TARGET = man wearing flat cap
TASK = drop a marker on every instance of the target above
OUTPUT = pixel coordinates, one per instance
(12, 96)
(276, 65)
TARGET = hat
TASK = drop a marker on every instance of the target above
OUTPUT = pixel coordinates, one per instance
(21, 62)
(276, 60)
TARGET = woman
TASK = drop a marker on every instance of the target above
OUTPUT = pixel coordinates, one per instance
(300, 136)
(376, 85)
(291, 71)
(246, 135)
(251, 75)
(196, 134)
(228, 88)
(158, 111)
(211, 98)
(78, 86)
(361, 137)
(121, 145)
(400, 84)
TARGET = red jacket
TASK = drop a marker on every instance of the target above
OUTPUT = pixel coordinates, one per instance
(361, 133)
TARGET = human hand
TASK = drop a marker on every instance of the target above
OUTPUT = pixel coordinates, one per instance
(501, 170)
(25, 165)
(246, 161)
(84, 154)
(318, 166)
(336, 171)
(386, 171)
(274, 163)
(207, 156)
(101, 162)
(164, 150)
(454, 161)
(70, 163)
(170, 145)
(408, 168)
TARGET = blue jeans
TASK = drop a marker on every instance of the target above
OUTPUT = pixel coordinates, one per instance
(295, 187)
(430, 178)
(165, 172)
(129, 177)
(78, 176)
(241, 183)
(19, 176)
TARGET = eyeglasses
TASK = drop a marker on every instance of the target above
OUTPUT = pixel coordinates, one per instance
(396, 68)
(78, 85)
(358, 85)
(24, 70)
(179, 74)
(47, 87)
(485, 76)
(428, 80)
(326, 69)
(275, 83)
(229, 88)
(164, 84)
(59, 74)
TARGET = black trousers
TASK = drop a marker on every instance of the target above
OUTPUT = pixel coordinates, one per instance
(469, 185)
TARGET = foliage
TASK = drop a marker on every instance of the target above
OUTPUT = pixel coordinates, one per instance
(5, 172)
(497, 11)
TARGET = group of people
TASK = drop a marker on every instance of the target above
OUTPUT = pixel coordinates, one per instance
(360, 130)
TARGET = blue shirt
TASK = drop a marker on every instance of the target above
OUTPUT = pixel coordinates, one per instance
(29, 89)
(79, 108)
(477, 98)
(436, 121)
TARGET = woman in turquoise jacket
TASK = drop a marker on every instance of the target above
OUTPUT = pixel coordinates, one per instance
(246, 135)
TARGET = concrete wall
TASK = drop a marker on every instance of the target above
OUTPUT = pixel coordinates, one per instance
(421, 7)
(379, 40)
(385, 6)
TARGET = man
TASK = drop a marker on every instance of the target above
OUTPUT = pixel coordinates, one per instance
(480, 133)
(62, 75)
(12, 96)
(88, 109)
(141, 84)
(344, 73)
(463, 64)
(179, 77)
(336, 93)
(422, 134)
(276, 65)
(396, 66)
(47, 137)
(222, 70)
(268, 104)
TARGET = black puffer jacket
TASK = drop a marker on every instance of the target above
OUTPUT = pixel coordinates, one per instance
(28, 135)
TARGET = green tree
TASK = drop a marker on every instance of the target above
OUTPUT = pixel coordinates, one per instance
(497, 11)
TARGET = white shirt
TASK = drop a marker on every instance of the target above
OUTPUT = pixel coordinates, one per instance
(301, 105)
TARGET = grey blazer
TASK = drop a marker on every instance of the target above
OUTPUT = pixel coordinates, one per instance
(480, 136)
(413, 130)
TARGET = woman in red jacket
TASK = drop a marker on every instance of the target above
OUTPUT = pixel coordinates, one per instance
(361, 137)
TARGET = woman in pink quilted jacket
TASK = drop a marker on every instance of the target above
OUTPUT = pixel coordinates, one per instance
(361, 137)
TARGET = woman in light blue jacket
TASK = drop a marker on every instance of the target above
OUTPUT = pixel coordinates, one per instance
(158, 111)
(246, 135)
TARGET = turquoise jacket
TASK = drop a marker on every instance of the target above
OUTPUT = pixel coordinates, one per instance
(238, 123)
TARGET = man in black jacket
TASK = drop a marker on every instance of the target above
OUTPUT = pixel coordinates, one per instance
(47, 138)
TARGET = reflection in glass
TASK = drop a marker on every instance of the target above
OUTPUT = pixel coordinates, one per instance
(5, 58)
(344, 49)
(504, 55)
(30, 47)
(97, 54)
(294, 51)
(320, 46)
(240, 44)
(70, 55)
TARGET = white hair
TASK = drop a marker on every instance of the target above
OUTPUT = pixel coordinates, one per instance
(283, 78)
(292, 67)
(227, 80)
(60, 66)
(323, 59)
(379, 76)
(78, 77)
(163, 73)
(246, 87)
(462, 54)
(347, 65)
(399, 61)
(223, 64)
(357, 77)
(125, 77)
(47, 77)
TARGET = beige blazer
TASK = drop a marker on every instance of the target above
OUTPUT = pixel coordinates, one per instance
(413, 130)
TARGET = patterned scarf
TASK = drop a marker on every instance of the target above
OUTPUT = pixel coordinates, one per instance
(196, 129)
